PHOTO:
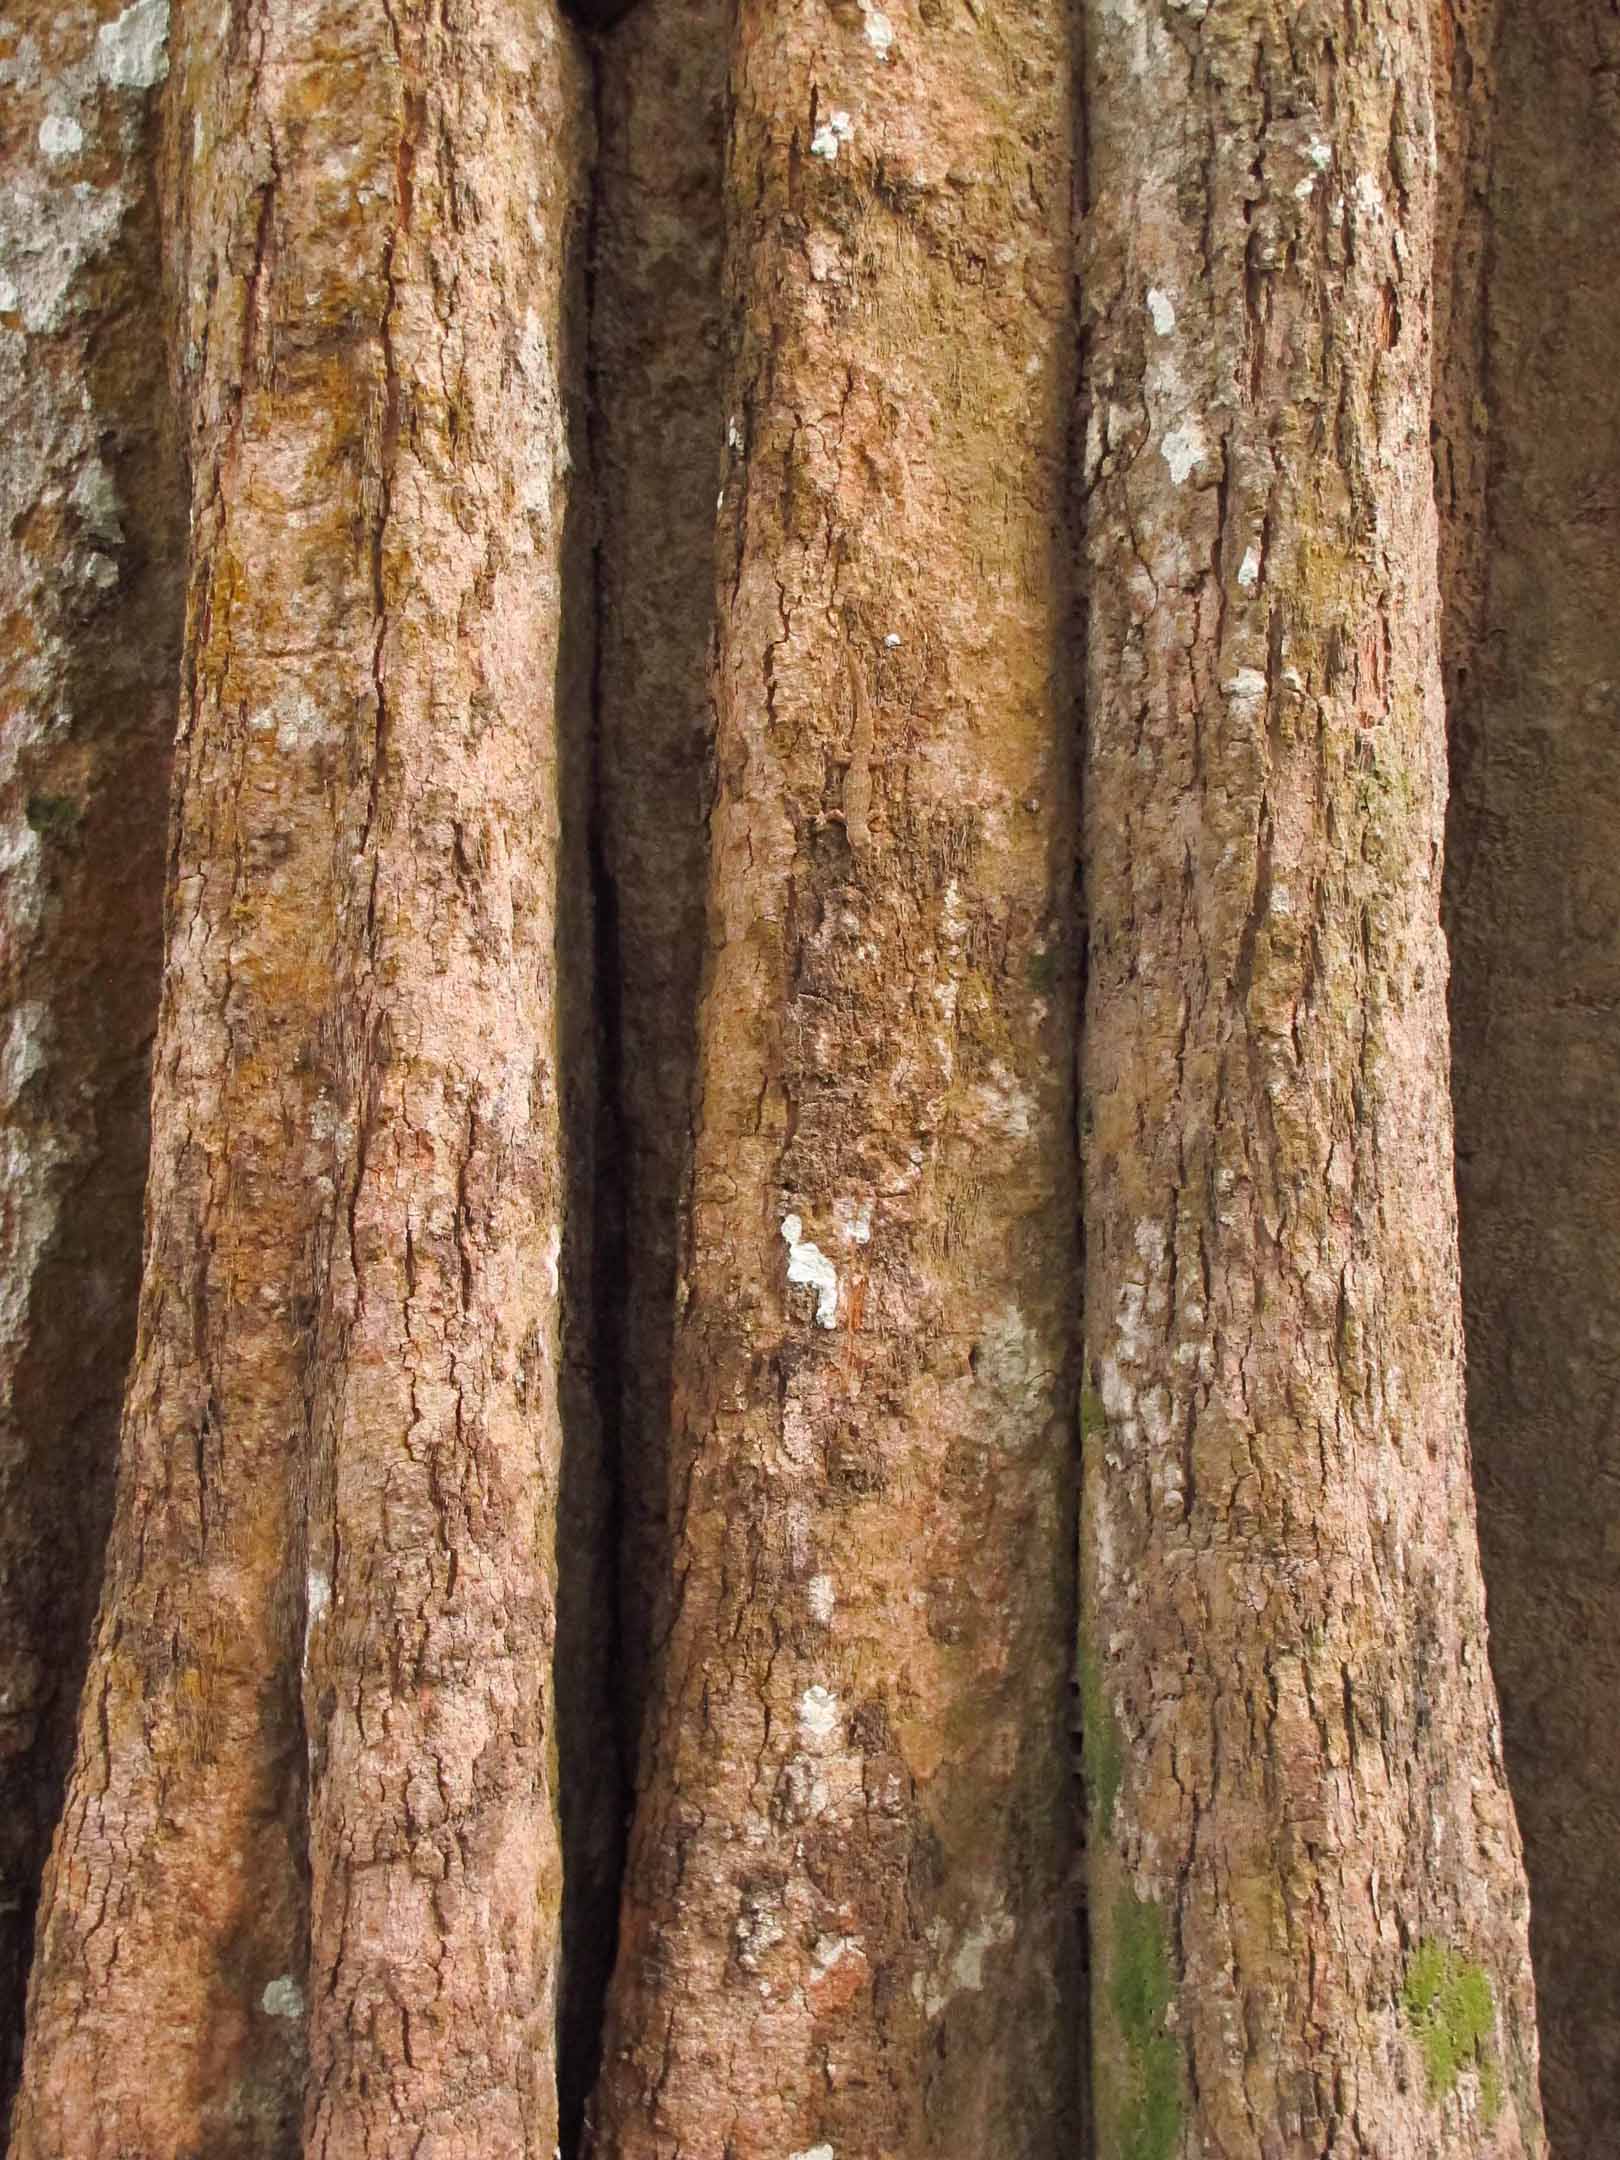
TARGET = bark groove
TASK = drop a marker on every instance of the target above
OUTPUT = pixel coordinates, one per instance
(1534, 916)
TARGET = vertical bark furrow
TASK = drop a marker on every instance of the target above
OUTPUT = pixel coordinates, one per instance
(1533, 896)
(639, 832)
(657, 361)
(846, 1923)
(1309, 1911)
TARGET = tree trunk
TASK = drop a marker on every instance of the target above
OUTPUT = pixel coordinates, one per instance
(1307, 1907)
(1534, 914)
(586, 1649)
(846, 1919)
(309, 1858)
(90, 521)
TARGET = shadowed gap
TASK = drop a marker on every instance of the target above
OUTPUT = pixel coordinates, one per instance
(638, 616)
(1528, 482)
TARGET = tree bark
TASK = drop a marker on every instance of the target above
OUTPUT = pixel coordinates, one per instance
(330, 1594)
(610, 1313)
(90, 519)
(1534, 915)
(846, 1923)
(1307, 1902)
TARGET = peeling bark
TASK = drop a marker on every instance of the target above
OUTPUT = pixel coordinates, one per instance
(326, 1633)
(1534, 914)
(1308, 1906)
(91, 510)
(846, 1924)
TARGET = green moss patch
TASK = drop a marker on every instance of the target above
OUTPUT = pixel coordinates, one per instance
(1452, 2012)
(1147, 2095)
(53, 817)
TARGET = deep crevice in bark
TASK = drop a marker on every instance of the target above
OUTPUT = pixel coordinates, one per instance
(1530, 553)
(592, 1754)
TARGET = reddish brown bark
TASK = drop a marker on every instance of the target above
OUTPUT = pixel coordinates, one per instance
(846, 1925)
(332, 1553)
(1307, 1898)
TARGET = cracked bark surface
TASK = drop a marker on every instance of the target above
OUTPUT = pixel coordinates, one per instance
(611, 1309)
(845, 1922)
(308, 1863)
(1300, 1816)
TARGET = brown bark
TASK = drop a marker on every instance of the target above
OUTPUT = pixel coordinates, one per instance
(845, 1927)
(610, 1297)
(1534, 913)
(90, 519)
(340, 1444)
(1308, 1907)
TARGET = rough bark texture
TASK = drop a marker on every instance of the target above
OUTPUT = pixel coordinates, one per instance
(329, 1589)
(1534, 914)
(846, 1929)
(1309, 1917)
(609, 1308)
(91, 512)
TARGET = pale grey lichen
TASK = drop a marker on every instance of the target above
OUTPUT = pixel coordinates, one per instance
(132, 51)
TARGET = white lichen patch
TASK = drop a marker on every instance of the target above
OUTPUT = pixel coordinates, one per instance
(1369, 199)
(283, 1998)
(47, 236)
(94, 495)
(28, 1030)
(317, 1597)
(837, 128)
(819, 1715)
(961, 1965)
(854, 1220)
(879, 29)
(132, 51)
(814, 2152)
(1162, 309)
(1247, 683)
(833, 1950)
(60, 135)
(1184, 449)
(1249, 569)
(809, 1265)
